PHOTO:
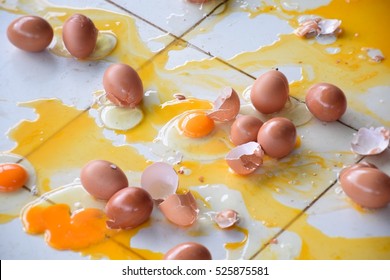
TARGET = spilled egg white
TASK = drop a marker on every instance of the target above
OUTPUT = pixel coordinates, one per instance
(211, 147)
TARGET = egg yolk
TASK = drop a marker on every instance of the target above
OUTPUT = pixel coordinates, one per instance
(196, 124)
(64, 230)
(12, 177)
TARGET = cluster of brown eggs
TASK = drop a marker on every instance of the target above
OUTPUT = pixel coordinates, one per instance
(34, 34)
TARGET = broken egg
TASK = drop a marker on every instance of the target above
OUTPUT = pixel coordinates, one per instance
(180, 209)
(160, 180)
(30, 33)
(123, 85)
(326, 102)
(315, 26)
(79, 35)
(196, 124)
(370, 141)
(277, 137)
(226, 218)
(102, 179)
(120, 118)
(129, 208)
(226, 106)
(13, 176)
(188, 251)
(246, 158)
(244, 129)
(367, 186)
(269, 92)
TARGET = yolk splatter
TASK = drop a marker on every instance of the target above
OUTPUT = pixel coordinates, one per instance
(64, 230)
(12, 177)
(196, 125)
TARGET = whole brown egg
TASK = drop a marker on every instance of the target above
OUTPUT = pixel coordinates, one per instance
(269, 92)
(79, 35)
(188, 251)
(277, 137)
(123, 85)
(244, 129)
(326, 102)
(30, 33)
(102, 179)
(367, 186)
(129, 208)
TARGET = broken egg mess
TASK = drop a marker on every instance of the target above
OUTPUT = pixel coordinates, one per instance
(215, 162)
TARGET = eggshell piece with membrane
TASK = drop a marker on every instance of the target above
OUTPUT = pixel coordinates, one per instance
(160, 180)
(180, 209)
(188, 251)
(246, 158)
(370, 141)
(226, 218)
(226, 106)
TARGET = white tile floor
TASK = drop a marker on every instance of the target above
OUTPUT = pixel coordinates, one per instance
(198, 49)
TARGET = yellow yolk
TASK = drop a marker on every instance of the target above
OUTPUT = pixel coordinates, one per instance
(12, 177)
(65, 231)
(196, 125)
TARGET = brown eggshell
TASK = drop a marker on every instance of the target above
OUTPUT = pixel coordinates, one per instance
(30, 33)
(244, 129)
(226, 106)
(368, 187)
(123, 86)
(180, 209)
(246, 158)
(277, 137)
(102, 179)
(326, 102)
(129, 208)
(226, 218)
(356, 166)
(270, 92)
(79, 35)
(188, 251)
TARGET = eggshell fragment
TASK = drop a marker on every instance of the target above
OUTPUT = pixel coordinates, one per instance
(123, 85)
(129, 208)
(326, 102)
(244, 129)
(102, 179)
(277, 137)
(79, 35)
(246, 158)
(269, 92)
(369, 187)
(370, 141)
(188, 251)
(180, 209)
(226, 218)
(160, 180)
(30, 33)
(226, 106)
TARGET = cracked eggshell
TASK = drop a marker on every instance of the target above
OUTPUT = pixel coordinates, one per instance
(180, 209)
(160, 180)
(79, 35)
(226, 218)
(188, 251)
(269, 92)
(122, 85)
(370, 141)
(226, 106)
(129, 208)
(367, 186)
(246, 158)
(102, 179)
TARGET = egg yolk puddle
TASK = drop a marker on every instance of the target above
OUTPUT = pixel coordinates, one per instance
(65, 231)
(12, 177)
(196, 125)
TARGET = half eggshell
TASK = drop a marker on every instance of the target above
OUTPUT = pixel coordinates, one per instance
(226, 106)
(160, 180)
(246, 158)
(370, 141)
(180, 209)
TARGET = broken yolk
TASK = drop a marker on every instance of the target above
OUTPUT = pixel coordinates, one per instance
(12, 177)
(196, 125)
(64, 230)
